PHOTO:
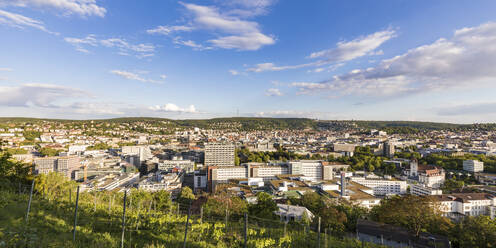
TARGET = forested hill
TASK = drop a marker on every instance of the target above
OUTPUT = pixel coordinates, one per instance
(256, 123)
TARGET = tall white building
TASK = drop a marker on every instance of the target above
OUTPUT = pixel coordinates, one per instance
(219, 154)
(473, 166)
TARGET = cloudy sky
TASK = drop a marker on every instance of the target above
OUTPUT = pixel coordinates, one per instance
(422, 60)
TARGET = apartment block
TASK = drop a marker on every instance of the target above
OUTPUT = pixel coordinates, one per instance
(219, 154)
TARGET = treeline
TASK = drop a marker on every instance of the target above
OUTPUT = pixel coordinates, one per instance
(363, 159)
(256, 123)
(449, 162)
(244, 155)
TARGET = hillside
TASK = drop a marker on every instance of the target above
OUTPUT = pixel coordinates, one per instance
(256, 123)
(148, 224)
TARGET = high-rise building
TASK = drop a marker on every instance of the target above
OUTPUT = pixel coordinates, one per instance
(219, 154)
(63, 165)
(388, 149)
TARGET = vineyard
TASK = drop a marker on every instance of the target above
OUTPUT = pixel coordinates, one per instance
(100, 222)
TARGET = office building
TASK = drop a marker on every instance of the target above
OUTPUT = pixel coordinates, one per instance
(219, 154)
(63, 165)
(473, 166)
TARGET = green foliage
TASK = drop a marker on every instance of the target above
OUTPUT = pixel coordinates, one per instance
(451, 185)
(217, 205)
(478, 232)
(48, 152)
(162, 200)
(53, 185)
(186, 196)
(264, 208)
(364, 159)
(452, 162)
(244, 155)
(413, 212)
(31, 135)
(99, 146)
(14, 151)
(12, 170)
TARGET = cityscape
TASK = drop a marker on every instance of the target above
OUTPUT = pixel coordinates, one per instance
(247, 123)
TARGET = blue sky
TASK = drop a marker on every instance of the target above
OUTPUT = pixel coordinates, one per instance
(368, 59)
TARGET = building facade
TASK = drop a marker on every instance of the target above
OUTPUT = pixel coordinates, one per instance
(473, 166)
(219, 154)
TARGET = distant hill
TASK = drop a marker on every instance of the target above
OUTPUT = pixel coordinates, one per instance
(256, 123)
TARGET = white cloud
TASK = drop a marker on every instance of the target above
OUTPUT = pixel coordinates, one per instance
(189, 43)
(163, 76)
(20, 21)
(272, 67)
(249, 8)
(349, 50)
(5, 69)
(317, 70)
(344, 51)
(467, 59)
(273, 92)
(234, 72)
(38, 95)
(133, 76)
(170, 107)
(232, 31)
(166, 30)
(124, 48)
(69, 7)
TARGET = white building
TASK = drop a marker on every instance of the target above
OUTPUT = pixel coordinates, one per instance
(77, 149)
(143, 152)
(314, 170)
(219, 154)
(419, 189)
(382, 186)
(167, 165)
(466, 204)
(428, 175)
(292, 213)
(473, 166)
(224, 173)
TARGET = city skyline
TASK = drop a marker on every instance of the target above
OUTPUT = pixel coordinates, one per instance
(366, 60)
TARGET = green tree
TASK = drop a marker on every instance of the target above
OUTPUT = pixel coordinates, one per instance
(186, 196)
(53, 185)
(162, 200)
(12, 170)
(312, 201)
(413, 212)
(48, 152)
(451, 185)
(477, 232)
(265, 206)
(218, 204)
(333, 219)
